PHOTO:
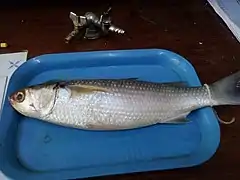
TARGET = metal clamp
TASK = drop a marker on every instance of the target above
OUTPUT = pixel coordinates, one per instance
(92, 26)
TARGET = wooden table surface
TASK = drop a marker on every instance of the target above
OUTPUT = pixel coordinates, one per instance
(190, 28)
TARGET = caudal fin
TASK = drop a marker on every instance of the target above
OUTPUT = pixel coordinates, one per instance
(227, 90)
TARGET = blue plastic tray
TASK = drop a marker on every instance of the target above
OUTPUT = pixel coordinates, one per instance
(31, 149)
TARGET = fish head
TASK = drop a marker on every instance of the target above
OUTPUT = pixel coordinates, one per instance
(32, 101)
(22, 101)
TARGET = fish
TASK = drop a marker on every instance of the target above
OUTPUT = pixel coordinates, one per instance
(121, 104)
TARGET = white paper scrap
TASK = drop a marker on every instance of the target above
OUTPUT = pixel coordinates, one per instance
(8, 64)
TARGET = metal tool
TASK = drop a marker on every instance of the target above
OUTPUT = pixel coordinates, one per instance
(92, 26)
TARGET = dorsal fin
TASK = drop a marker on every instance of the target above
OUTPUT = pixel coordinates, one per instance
(177, 83)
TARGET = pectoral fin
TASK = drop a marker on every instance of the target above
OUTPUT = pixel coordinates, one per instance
(77, 90)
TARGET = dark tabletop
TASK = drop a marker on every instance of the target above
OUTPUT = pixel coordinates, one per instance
(190, 28)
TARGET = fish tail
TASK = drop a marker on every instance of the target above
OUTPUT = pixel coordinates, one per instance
(226, 91)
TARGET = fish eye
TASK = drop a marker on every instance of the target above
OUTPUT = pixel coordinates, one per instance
(19, 97)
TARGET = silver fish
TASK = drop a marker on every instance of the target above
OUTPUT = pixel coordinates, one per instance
(117, 104)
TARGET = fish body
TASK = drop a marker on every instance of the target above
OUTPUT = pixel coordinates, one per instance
(115, 104)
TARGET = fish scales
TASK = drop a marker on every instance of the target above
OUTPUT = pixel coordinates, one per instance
(124, 104)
